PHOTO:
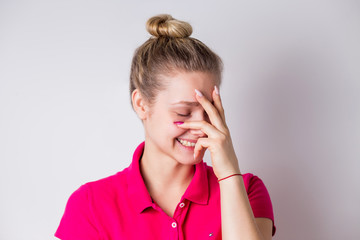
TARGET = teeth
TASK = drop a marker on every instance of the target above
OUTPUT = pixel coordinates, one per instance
(186, 143)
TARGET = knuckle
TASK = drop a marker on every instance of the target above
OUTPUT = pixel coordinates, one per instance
(222, 138)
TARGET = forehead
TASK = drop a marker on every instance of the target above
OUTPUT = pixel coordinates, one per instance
(180, 86)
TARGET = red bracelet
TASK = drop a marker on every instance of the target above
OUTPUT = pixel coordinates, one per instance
(230, 176)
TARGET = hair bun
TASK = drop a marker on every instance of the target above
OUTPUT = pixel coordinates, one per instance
(164, 25)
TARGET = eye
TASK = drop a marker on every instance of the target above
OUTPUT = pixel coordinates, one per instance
(183, 115)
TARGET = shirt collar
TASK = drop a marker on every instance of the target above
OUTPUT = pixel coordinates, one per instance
(137, 190)
(197, 191)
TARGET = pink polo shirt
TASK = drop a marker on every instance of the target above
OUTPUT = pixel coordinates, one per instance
(119, 207)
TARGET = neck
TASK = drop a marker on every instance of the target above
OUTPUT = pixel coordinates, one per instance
(162, 173)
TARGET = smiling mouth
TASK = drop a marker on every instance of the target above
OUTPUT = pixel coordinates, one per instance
(186, 143)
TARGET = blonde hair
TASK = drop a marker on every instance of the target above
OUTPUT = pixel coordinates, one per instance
(169, 49)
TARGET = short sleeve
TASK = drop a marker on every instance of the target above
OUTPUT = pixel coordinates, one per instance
(77, 223)
(259, 199)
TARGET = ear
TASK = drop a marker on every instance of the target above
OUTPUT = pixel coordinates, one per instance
(139, 104)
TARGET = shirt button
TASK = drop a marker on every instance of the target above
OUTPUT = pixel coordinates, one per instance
(174, 224)
(182, 205)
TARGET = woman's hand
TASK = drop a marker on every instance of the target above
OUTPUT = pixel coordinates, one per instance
(223, 157)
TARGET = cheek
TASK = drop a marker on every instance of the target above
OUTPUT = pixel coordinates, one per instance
(175, 130)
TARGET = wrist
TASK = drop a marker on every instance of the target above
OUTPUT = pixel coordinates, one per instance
(238, 174)
(225, 172)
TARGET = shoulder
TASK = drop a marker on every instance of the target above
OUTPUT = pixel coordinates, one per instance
(82, 218)
(101, 188)
(252, 182)
(259, 198)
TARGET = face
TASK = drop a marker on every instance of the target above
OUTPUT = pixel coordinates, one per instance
(178, 103)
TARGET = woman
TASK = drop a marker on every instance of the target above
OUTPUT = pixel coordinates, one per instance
(168, 192)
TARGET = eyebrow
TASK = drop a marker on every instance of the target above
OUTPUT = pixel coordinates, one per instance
(189, 103)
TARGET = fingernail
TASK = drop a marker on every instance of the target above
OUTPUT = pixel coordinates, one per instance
(198, 93)
(194, 155)
(216, 90)
(178, 122)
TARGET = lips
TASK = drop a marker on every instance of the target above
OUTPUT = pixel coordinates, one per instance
(187, 142)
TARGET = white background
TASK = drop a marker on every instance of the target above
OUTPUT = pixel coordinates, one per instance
(290, 91)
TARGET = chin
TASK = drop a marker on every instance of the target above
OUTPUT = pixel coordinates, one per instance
(190, 162)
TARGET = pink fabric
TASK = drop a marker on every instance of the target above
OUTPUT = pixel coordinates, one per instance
(120, 207)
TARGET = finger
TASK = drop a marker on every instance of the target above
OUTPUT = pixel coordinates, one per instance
(199, 151)
(200, 147)
(218, 103)
(200, 155)
(204, 126)
(211, 111)
(197, 132)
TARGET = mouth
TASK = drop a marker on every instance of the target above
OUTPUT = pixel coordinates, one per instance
(187, 143)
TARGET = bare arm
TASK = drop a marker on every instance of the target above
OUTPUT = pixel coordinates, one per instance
(237, 218)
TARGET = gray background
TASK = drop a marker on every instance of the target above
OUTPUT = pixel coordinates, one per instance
(290, 92)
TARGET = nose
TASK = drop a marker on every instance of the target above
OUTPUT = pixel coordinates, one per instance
(199, 116)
